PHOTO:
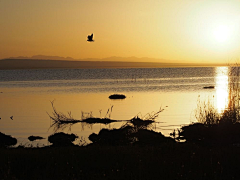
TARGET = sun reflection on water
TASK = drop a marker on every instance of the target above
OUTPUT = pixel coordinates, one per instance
(222, 80)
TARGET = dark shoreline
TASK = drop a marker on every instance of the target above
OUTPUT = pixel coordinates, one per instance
(175, 161)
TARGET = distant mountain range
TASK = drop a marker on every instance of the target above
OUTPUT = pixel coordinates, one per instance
(43, 57)
(53, 62)
(113, 58)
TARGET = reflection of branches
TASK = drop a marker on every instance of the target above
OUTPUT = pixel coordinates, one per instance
(83, 125)
(60, 120)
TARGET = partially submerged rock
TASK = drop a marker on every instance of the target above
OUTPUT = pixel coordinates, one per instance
(93, 120)
(117, 96)
(62, 139)
(139, 123)
(6, 140)
(208, 87)
(33, 138)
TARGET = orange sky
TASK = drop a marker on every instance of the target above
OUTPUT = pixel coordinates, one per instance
(184, 30)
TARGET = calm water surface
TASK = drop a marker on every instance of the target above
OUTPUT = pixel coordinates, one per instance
(26, 95)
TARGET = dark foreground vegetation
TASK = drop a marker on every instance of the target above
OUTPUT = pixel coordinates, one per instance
(175, 161)
(133, 151)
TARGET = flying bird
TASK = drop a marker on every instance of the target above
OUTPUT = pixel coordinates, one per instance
(11, 117)
(90, 38)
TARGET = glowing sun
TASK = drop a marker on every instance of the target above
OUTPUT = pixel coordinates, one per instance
(222, 33)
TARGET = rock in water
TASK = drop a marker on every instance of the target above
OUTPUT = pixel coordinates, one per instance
(117, 96)
(33, 138)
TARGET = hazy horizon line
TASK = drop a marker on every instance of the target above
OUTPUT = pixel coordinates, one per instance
(66, 64)
(112, 59)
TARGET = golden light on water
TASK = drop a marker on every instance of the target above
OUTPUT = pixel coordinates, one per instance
(221, 79)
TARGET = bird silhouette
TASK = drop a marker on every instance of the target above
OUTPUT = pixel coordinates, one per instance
(90, 38)
(11, 117)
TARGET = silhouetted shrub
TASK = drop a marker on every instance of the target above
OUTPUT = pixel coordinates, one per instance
(194, 132)
(150, 137)
(127, 135)
(221, 134)
(6, 140)
(62, 139)
(112, 137)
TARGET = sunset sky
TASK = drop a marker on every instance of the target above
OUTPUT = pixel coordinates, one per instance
(181, 30)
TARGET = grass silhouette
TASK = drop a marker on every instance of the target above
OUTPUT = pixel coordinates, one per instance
(213, 127)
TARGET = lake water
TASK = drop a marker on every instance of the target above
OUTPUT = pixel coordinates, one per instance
(26, 95)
